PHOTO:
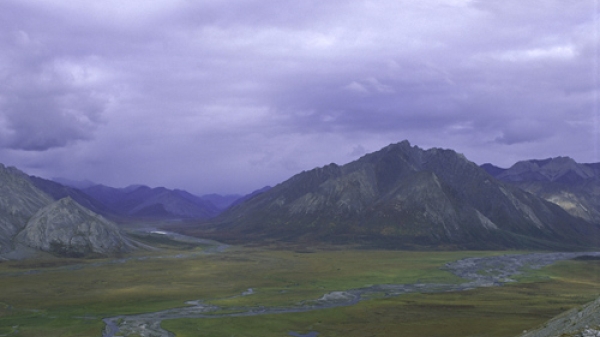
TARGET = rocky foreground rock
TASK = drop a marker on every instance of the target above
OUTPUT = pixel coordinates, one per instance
(578, 322)
(66, 228)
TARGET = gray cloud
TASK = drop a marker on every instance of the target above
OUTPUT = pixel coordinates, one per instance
(42, 110)
(249, 92)
(47, 99)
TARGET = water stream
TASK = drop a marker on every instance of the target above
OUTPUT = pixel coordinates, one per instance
(477, 272)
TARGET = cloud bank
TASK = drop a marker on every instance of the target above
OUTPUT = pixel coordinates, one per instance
(229, 96)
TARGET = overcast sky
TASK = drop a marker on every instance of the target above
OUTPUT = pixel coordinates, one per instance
(229, 96)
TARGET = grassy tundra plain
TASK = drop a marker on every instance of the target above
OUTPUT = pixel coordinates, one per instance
(70, 297)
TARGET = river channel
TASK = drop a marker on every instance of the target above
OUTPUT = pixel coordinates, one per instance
(477, 272)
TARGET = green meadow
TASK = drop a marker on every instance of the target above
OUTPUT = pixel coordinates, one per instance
(58, 301)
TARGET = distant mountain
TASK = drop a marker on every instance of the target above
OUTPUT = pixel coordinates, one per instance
(560, 170)
(492, 169)
(250, 195)
(65, 228)
(222, 202)
(79, 184)
(143, 201)
(59, 191)
(561, 180)
(401, 197)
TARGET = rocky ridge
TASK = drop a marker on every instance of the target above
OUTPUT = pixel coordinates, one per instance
(19, 200)
(66, 228)
(403, 196)
(573, 186)
(31, 221)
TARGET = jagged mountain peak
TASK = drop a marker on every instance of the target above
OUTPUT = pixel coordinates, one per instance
(401, 195)
(415, 155)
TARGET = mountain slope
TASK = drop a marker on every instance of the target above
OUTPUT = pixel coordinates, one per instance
(143, 201)
(402, 196)
(66, 228)
(59, 191)
(19, 200)
(222, 202)
(31, 217)
(573, 186)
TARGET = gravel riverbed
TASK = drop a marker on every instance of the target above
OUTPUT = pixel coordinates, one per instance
(478, 272)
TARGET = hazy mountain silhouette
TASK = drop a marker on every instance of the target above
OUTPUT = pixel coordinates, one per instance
(561, 180)
(160, 202)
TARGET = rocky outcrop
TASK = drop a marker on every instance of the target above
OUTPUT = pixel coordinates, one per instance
(19, 200)
(66, 228)
(579, 322)
(29, 216)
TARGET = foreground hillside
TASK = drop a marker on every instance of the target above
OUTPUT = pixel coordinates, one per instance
(583, 321)
(402, 197)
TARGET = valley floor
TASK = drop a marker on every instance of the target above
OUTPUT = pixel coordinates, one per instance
(480, 272)
(261, 292)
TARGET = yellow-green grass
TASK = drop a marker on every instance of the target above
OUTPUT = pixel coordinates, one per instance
(497, 311)
(54, 300)
(61, 302)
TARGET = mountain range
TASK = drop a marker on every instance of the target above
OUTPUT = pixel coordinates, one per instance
(561, 180)
(402, 196)
(31, 218)
(47, 216)
(138, 201)
(144, 202)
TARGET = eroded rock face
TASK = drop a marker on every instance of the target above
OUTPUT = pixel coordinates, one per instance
(19, 200)
(66, 228)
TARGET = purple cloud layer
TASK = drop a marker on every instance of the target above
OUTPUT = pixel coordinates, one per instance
(229, 96)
